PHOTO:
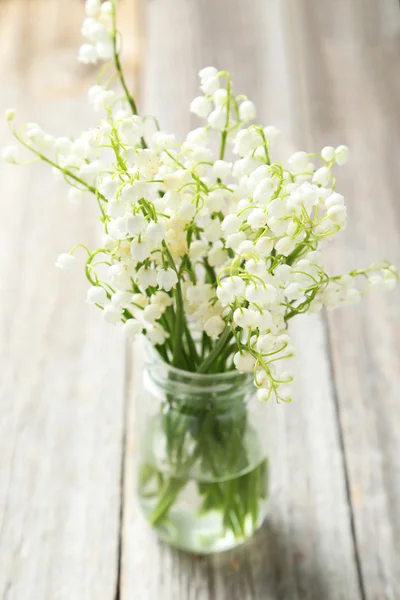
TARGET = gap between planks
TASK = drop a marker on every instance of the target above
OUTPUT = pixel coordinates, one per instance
(297, 12)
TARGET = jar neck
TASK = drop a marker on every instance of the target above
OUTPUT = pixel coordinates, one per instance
(188, 387)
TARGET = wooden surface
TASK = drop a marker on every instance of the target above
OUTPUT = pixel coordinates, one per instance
(70, 528)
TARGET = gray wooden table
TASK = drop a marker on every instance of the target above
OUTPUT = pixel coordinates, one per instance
(70, 529)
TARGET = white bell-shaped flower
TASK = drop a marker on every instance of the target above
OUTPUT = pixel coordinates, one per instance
(285, 246)
(231, 224)
(136, 224)
(230, 289)
(66, 261)
(222, 169)
(341, 155)
(156, 334)
(263, 191)
(167, 279)
(201, 107)
(96, 295)
(247, 111)
(217, 119)
(132, 328)
(328, 153)
(298, 161)
(147, 277)
(257, 218)
(244, 362)
(140, 250)
(112, 314)
(162, 299)
(214, 326)
(121, 299)
(152, 313)
(155, 233)
(322, 176)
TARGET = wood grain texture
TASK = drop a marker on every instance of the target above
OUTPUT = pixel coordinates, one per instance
(62, 369)
(305, 549)
(353, 95)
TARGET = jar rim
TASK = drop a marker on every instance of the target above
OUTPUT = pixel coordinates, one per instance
(157, 360)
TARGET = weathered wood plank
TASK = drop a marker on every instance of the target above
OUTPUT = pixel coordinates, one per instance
(62, 369)
(348, 55)
(305, 549)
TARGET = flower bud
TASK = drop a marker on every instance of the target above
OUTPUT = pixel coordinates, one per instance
(10, 114)
(247, 111)
(96, 295)
(106, 8)
(322, 176)
(10, 154)
(210, 85)
(132, 328)
(298, 161)
(198, 136)
(353, 296)
(328, 153)
(201, 107)
(341, 155)
(220, 97)
(272, 133)
(337, 213)
(92, 8)
(66, 262)
(376, 282)
(207, 73)
(87, 54)
(334, 200)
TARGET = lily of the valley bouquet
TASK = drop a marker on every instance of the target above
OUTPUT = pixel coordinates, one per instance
(211, 247)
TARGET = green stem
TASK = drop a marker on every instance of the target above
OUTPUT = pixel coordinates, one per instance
(118, 67)
(291, 258)
(207, 362)
(225, 131)
(117, 62)
(210, 271)
(225, 354)
(162, 351)
(178, 353)
(191, 347)
(47, 160)
(168, 495)
(179, 326)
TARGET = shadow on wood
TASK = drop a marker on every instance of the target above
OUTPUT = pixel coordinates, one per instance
(259, 568)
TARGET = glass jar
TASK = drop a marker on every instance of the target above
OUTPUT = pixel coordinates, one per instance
(203, 469)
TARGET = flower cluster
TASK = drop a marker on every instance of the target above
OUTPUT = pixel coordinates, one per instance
(210, 258)
(98, 30)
